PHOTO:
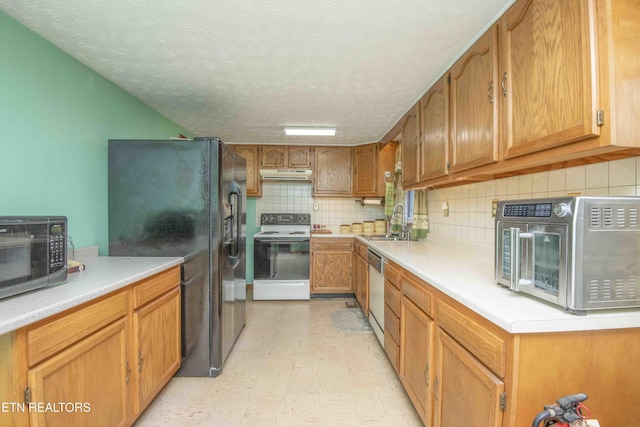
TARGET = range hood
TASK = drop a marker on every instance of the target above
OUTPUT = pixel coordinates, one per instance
(285, 174)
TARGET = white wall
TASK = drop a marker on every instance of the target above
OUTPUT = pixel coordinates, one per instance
(295, 197)
(470, 205)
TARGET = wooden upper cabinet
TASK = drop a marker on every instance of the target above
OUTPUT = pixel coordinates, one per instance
(272, 156)
(410, 134)
(548, 84)
(365, 159)
(434, 131)
(299, 157)
(250, 154)
(332, 171)
(474, 108)
(370, 162)
(286, 156)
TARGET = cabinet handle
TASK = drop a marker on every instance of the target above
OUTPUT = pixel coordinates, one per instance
(504, 84)
(426, 374)
(140, 361)
(435, 384)
(126, 379)
(489, 94)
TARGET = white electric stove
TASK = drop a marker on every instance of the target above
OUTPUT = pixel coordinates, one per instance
(281, 257)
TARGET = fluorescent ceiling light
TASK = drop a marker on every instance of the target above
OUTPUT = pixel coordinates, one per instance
(310, 131)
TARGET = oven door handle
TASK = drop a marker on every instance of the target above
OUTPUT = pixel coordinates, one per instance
(284, 242)
(516, 254)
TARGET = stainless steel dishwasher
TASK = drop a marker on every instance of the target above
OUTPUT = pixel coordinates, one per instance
(376, 294)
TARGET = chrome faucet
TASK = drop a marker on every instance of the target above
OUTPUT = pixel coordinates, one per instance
(403, 233)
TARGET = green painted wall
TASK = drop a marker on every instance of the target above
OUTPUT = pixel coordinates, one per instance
(56, 116)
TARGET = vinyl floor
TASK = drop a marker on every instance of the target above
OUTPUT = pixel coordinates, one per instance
(296, 363)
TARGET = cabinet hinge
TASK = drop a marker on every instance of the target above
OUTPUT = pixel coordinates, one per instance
(27, 395)
(449, 79)
(503, 401)
(600, 117)
(448, 167)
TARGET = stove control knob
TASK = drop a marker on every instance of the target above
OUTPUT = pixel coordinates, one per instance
(561, 209)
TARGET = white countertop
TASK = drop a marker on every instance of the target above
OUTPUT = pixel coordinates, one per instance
(101, 276)
(465, 271)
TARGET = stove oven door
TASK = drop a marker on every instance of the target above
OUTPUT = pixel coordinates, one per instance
(280, 259)
(281, 268)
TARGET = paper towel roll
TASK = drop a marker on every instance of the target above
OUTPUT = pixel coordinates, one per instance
(376, 202)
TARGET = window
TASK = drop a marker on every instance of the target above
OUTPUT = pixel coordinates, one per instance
(408, 203)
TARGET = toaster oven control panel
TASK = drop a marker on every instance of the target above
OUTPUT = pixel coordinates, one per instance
(539, 210)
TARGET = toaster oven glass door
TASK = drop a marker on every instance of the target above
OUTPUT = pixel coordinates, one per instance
(532, 258)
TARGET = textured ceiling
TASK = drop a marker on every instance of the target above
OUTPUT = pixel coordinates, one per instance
(243, 69)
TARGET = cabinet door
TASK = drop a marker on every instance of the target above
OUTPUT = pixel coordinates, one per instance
(416, 336)
(365, 162)
(361, 282)
(93, 371)
(434, 130)
(466, 393)
(331, 271)
(332, 171)
(272, 156)
(299, 157)
(474, 107)
(548, 65)
(156, 346)
(250, 154)
(410, 155)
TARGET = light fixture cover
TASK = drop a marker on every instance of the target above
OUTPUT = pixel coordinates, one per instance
(310, 131)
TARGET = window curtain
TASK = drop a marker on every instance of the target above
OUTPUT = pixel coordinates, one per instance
(420, 227)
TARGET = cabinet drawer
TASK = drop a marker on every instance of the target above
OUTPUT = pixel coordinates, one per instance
(486, 346)
(392, 297)
(392, 350)
(363, 250)
(391, 324)
(151, 288)
(331, 243)
(415, 290)
(393, 273)
(50, 336)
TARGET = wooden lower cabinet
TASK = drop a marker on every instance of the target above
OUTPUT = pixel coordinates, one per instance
(466, 393)
(361, 279)
(416, 355)
(459, 369)
(102, 363)
(331, 265)
(93, 374)
(157, 346)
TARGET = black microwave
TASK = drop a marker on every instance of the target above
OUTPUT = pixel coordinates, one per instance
(33, 253)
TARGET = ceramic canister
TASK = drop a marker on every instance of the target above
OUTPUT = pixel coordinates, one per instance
(368, 227)
(345, 229)
(356, 228)
(380, 226)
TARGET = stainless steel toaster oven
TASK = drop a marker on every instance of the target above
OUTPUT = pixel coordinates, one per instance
(580, 253)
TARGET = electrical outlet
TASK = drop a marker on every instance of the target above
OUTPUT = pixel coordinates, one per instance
(445, 208)
(316, 206)
(494, 207)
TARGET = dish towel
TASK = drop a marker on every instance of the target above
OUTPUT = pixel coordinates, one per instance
(389, 198)
(420, 227)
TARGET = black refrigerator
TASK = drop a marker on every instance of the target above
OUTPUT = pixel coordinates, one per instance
(187, 198)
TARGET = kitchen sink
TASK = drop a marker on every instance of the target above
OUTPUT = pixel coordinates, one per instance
(383, 237)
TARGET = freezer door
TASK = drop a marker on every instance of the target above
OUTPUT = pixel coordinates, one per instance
(232, 291)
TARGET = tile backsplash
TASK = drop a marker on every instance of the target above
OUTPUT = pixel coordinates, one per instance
(470, 205)
(295, 197)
